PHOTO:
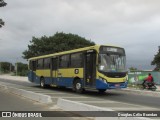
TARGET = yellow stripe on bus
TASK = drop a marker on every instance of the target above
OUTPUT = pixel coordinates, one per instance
(69, 72)
(44, 73)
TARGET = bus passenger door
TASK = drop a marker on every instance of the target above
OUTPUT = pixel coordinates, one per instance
(54, 72)
(90, 68)
(32, 73)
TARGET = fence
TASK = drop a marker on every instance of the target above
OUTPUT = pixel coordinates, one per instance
(139, 76)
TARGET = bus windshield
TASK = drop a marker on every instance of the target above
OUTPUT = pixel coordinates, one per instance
(112, 62)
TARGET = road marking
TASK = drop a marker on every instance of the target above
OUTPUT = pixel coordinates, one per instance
(40, 90)
(69, 97)
(51, 93)
(10, 84)
(28, 88)
(55, 107)
(130, 104)
(96, 101)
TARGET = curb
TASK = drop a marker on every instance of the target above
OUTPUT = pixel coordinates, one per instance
(68, 105)
(28, 94)
(73, 106)
(15, 78)
(127, 90)
(3, 87)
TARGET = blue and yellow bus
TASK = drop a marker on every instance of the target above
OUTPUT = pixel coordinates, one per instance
(99, 67)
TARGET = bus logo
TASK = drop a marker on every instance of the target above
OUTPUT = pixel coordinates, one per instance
(76, 71)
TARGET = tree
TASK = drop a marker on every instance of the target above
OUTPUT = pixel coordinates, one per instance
(6, 67)
(1, 23)
(57, 43)
(156, 61)
(22, 69)
(2, 4)
(132, 69)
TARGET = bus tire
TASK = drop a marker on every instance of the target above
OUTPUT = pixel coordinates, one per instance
(78, 86)
(102, 90)
(42, 83)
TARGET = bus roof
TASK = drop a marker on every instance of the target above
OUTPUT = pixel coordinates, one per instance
(70, 51)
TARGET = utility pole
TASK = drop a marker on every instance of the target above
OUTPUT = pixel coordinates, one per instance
(10, 67)
(16, 68)
(0, 68)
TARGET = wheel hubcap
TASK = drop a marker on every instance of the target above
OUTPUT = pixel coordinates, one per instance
(78, 86)
(42, 83)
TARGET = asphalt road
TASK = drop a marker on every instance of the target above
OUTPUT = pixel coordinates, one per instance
(112, 95)
(10, 102)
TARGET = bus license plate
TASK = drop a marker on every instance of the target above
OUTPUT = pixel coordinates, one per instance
(117, 85)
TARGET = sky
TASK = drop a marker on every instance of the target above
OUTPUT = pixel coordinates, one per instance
(132, 24)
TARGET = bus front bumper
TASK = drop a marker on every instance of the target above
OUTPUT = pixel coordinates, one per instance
(106, 85)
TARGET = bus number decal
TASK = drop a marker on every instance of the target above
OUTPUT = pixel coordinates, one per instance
(76, 71)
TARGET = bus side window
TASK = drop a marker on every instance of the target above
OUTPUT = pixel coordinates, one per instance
(64, 61)
(47, 63)
(32, 65)
(40, 64)
(77, 60)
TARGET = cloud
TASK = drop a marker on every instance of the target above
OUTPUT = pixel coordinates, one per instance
(132, 24)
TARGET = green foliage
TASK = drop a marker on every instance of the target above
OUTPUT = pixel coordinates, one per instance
(133, 69)
(1, 23)
(6, 67)
(56, 43)
(2, 4)
(156, 61)
(22, 69)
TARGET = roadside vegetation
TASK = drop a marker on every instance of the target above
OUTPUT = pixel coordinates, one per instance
(2, 4)
(156, 61)
(45, 45)
(57, 43)
(19, 69)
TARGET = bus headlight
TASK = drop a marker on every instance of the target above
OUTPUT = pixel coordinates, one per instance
(102, 79)
(125, 80)
(101, 67)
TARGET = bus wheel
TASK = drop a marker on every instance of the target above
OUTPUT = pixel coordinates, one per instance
(78, 86)
(42, 83)
(102, 90)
